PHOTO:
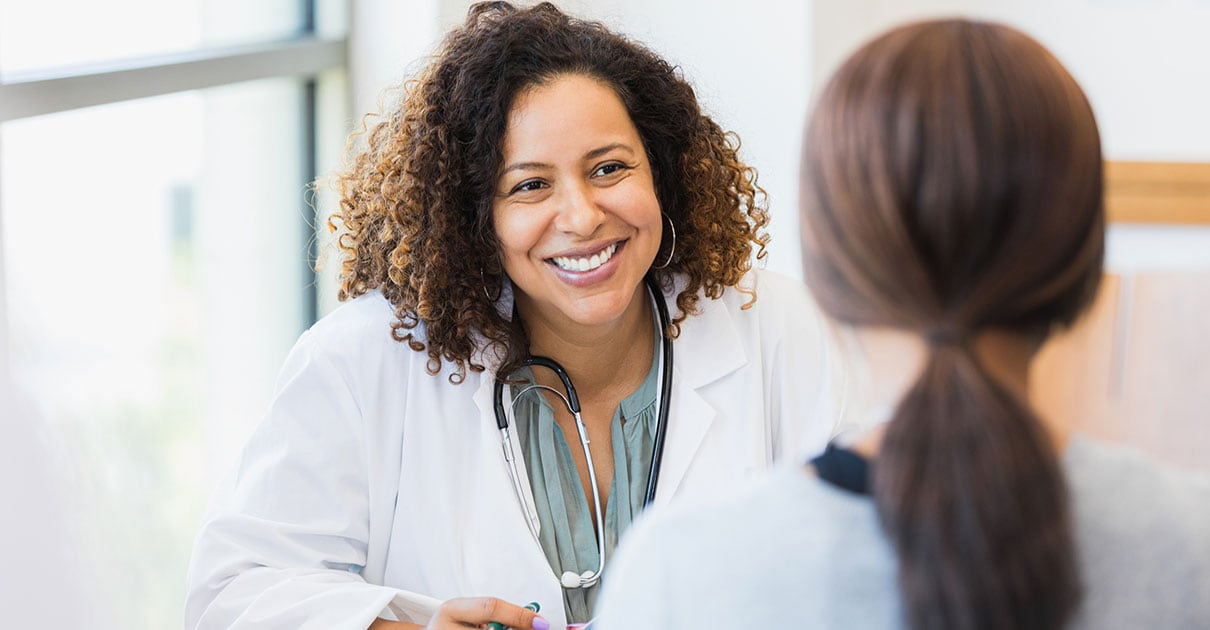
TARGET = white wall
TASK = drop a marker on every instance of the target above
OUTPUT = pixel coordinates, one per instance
(387, 39)
(1145, 65)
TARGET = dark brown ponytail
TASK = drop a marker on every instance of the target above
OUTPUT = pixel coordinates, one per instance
(973, 500)
(952, 187)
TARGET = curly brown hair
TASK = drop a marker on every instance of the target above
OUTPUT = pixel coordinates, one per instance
(415, 218)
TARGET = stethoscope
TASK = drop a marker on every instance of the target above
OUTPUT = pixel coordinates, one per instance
(571, 579)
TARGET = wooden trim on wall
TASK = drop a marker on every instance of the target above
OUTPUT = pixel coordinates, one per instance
(1158, 192)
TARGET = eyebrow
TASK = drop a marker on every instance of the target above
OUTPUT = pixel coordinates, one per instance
(596, 153)
(593, 154)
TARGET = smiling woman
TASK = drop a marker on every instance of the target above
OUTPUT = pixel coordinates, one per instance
(542, 193)
(576, 211)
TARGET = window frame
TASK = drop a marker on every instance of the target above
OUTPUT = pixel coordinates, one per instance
(304, 56)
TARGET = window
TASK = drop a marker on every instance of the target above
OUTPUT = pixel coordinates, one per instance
(155, 234)
(52, 34)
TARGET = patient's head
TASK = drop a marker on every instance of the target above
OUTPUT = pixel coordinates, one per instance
(952, 184)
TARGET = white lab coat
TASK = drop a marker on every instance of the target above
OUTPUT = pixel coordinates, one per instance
(372, 486)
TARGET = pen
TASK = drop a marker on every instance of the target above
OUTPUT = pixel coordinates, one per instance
(496, 625)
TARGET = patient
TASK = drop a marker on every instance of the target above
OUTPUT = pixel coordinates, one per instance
(952, 218)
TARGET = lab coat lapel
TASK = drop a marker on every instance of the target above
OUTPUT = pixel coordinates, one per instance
(707, 349)
(484, 397)
(525, 553)
(485, 400)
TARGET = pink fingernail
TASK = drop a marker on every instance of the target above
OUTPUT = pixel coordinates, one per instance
(541, 624)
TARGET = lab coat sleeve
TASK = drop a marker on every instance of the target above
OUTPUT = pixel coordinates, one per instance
(287, 533)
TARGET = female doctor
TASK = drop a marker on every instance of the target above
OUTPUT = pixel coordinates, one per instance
(544, 220)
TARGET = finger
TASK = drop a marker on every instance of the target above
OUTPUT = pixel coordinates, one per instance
(479, 611)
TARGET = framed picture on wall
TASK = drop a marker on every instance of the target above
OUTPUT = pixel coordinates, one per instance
(1158, 192)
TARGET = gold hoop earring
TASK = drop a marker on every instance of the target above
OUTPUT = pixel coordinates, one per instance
(672, 250)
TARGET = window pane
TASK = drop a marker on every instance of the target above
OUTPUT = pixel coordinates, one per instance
(36, 35)
(155, 280)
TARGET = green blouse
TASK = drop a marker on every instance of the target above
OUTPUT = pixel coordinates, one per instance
(564, 512)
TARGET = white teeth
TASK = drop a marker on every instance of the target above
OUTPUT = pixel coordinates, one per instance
(588, 263)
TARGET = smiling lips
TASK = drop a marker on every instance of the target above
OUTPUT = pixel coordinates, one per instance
(585, 263)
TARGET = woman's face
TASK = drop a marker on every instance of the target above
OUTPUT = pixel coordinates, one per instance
(575, 210)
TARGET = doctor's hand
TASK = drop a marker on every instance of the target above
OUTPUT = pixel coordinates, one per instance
(473, 612)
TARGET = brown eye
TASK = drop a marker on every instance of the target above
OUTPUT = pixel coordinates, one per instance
(609, 169)
(528, 185)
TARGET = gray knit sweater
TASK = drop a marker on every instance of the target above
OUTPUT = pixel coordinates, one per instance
(796, 552)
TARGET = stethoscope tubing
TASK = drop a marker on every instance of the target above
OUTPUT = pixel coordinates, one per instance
(588, 579)
(657, 451)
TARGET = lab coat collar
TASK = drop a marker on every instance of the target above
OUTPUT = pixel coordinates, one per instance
(709, 345)
(707, 349)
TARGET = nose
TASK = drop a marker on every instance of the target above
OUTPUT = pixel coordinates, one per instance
(579, 212)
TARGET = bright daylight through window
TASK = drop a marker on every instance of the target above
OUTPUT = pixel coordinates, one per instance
(155, 233)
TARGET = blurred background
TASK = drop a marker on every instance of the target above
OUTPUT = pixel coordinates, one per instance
(158, 241)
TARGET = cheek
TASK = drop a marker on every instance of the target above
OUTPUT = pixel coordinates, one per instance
(636, 204)
(649, 200)
(645, 208)
(517, 230)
